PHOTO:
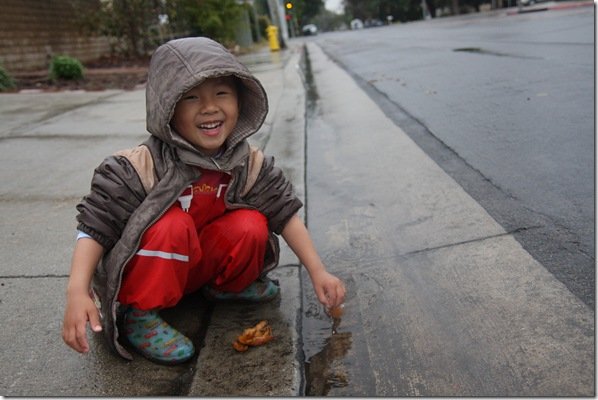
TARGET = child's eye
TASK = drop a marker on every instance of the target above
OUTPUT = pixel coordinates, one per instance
(189, 97)
(222, 93)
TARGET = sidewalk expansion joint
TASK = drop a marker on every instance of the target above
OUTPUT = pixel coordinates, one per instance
(38, 198)
(84, 137)
(476, 240)
(45, 276)
(404, 256)
(66, 109)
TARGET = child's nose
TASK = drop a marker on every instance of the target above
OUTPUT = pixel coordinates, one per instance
(209, 106)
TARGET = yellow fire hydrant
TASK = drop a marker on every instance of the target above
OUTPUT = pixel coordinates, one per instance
(272, 32)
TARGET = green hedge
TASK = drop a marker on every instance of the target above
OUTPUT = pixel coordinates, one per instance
(65, 67)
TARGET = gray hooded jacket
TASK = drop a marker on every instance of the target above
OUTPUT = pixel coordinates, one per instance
(133, 188)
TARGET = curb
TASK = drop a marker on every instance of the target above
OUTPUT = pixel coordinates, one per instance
(274, 369)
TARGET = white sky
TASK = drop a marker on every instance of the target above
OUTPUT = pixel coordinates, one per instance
(334, 5)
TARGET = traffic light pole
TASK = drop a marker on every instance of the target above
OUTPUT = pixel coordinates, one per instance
(290, 18)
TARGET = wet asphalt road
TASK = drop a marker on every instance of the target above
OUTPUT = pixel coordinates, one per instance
(505, 105)
(475, 278)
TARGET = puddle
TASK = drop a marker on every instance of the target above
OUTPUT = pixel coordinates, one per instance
(326, 348)
(332, 347)
(323, 369)
(479, 50)
(311, 93)
(263, 60)
(263, 57)
(335, 352)
(326, 341)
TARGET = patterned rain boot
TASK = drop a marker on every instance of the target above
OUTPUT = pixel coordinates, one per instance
(155, 339)
(260, 291)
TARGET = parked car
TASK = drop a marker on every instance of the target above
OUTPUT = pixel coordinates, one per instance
(309, 29)
(530, 2)
(372, 23)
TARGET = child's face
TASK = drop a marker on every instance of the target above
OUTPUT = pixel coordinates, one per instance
(207, 114)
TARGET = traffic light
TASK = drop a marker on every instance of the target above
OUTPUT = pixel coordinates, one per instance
(289, 5)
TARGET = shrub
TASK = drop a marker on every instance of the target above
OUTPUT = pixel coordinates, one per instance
(6, 81)
(65, 67)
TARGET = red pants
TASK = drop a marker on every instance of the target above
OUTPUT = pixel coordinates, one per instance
(175, 259)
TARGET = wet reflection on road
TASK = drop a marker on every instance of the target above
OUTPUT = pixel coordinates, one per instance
(263, 60)
(324, 368)
(330, 346)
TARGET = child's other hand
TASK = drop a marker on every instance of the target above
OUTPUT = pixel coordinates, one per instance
(80, 308)
(329, 289)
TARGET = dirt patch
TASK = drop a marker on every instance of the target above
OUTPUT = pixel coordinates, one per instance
(106, 73)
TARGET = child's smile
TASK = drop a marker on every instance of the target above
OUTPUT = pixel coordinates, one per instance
(211, 128)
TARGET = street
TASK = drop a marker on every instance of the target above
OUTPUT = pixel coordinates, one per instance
(456, 200)
(509, 102)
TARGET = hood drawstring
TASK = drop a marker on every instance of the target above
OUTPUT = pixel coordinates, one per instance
(216, 164)
(218, 155)
(185, 199)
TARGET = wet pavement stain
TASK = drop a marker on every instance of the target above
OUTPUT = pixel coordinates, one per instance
(335, 349)
(479, 50)
(328, 345)
(311, 92)
(324, 371)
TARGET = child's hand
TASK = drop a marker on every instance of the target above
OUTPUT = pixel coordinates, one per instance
(80, 308)
(329, 289)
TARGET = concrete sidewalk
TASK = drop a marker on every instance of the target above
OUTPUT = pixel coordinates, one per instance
(50, 143)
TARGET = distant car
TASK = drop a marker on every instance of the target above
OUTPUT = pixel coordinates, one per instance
(530, 2)
(309, 29)
(356, 24)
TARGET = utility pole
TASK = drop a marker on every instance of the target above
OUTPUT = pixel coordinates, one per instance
(277, 18)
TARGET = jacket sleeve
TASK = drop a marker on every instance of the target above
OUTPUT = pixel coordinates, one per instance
(273, 195)
(116, 191)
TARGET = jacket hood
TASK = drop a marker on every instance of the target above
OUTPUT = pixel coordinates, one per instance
(181, 64)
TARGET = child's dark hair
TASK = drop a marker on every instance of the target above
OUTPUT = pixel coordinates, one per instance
(240, 88)
(238, 84)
